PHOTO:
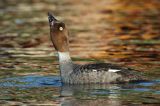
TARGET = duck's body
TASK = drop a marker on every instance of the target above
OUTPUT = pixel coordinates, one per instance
(90, 73)
(95, 73)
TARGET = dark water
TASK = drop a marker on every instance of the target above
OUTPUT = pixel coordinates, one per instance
(48, 90)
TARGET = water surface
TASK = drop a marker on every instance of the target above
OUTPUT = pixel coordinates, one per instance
(47, 90)
(122, 32)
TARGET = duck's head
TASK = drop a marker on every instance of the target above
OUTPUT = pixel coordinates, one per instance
(58, 33)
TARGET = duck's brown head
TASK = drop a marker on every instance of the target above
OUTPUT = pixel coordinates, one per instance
(58, 33)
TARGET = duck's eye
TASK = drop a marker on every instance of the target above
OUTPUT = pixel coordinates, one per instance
(50, 20)
(60, 28)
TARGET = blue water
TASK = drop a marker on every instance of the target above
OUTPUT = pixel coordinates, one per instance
(47, 87)
(31, 81)
(42, 81)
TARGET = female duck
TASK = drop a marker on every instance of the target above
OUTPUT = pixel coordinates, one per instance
(90, 73)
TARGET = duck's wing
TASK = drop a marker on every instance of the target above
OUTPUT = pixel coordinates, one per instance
(127, 74)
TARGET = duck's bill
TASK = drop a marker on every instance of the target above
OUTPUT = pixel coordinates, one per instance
(51, 19)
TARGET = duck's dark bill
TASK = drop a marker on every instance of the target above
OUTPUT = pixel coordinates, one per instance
(51, 18)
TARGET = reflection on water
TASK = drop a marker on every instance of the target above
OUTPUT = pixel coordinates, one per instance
(118, 31)
(30, 81)
(51, 91)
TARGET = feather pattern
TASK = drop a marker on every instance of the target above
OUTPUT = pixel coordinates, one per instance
(99, 73)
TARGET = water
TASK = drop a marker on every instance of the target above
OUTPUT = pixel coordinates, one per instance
(34, 89)
(115, 31)
(30, 81)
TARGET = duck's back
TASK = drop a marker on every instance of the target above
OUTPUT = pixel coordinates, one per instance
(103, 73)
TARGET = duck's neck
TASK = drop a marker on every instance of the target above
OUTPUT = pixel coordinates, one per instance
(65, 62)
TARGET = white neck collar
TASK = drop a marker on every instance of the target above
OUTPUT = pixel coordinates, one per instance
(64, 56)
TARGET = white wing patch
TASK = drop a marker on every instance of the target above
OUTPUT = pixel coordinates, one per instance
(94, 70)
(113, 70)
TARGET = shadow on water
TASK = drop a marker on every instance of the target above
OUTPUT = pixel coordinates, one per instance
(50, 90)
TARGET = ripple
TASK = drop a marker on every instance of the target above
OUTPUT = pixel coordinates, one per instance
(31, 81)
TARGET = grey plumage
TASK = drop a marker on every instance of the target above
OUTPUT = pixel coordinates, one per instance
(98, 73)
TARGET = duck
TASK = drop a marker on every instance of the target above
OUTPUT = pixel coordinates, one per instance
(91, 73)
